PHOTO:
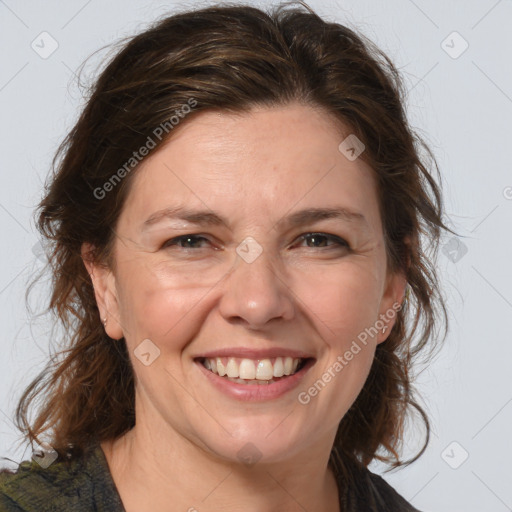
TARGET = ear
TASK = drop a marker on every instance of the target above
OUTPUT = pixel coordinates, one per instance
(395, 291)
(104, 283)
(391, 303)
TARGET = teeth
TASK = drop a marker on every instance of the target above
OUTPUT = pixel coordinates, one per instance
(252, 382)
(264, 371)
(288, 365)
(248, 369)
(220, 367)
(279, 367)
(232, 368)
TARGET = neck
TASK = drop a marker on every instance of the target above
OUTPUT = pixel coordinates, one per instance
(177, 475)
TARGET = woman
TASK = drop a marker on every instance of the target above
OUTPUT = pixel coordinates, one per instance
(235, 218)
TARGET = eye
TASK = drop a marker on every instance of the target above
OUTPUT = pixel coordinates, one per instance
(186, 241)
(320, 240)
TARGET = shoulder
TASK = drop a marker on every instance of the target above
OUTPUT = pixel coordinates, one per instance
(387, 497)
(83, 484)
(364, 491)
(32, 487)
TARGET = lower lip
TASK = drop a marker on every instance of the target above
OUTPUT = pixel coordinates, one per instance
(256, 392)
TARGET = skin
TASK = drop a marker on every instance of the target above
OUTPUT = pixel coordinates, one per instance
(253, 169)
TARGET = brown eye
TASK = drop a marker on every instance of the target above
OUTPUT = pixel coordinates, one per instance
(186, 241)
(319, 240)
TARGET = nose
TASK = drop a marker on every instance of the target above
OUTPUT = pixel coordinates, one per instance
(254, 293)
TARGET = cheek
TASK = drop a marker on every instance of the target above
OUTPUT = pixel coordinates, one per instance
(342, 299)
(344, 307)
(158, 305)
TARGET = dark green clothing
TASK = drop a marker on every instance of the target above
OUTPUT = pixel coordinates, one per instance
(86, 485)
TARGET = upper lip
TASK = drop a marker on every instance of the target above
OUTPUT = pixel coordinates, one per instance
(251, 353)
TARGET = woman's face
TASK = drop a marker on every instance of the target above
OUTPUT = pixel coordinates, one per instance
(250, 244)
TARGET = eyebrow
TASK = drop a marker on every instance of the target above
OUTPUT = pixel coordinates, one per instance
(301, 217)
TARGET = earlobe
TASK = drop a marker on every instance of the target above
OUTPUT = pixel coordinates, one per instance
(395, 291)
(103, 282)
(391, 303)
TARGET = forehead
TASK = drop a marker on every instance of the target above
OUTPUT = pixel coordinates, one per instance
(270, 160)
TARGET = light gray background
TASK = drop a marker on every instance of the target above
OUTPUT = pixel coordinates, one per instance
(461, 105)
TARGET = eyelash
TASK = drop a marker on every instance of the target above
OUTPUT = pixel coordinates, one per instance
(338, 241)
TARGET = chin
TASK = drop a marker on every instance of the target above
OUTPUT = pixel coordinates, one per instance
(265, 440)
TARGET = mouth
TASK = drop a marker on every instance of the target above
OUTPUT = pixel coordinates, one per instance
(254, 371)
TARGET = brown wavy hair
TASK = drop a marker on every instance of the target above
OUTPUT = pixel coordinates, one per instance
(233, 58)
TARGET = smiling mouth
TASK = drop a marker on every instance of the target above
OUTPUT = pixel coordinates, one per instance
(253, 371)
